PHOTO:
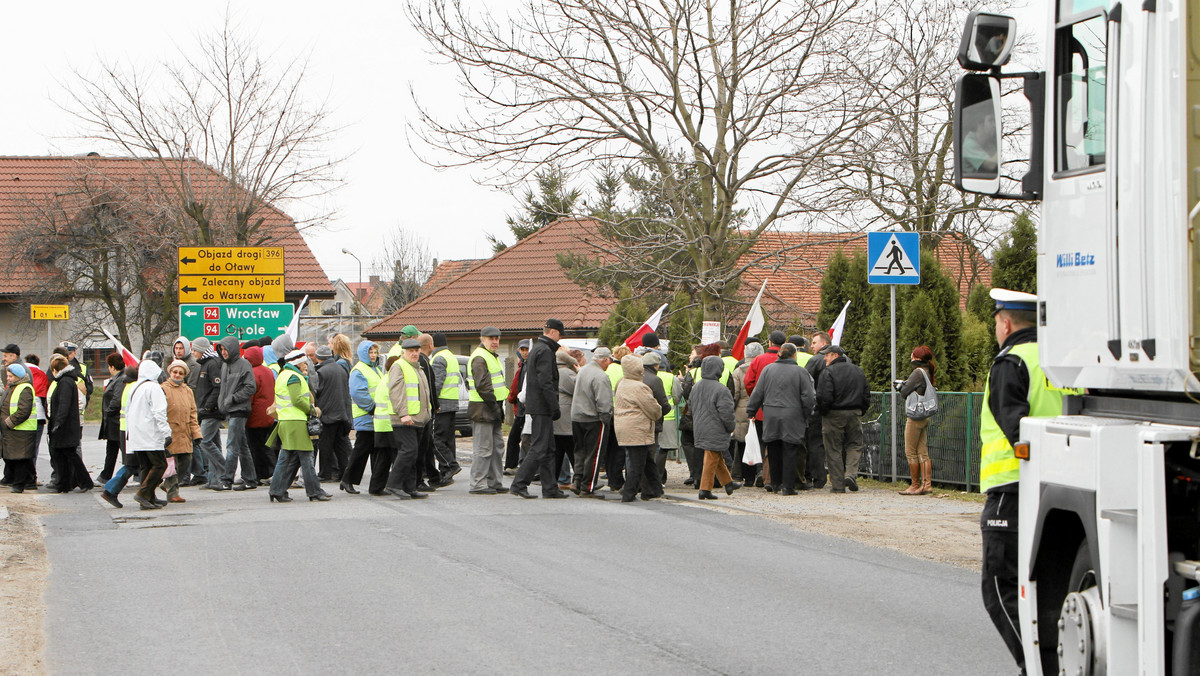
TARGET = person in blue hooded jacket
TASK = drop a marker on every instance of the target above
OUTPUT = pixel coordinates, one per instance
(364, 378)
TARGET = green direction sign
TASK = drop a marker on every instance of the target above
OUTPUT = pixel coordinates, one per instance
(241, 320)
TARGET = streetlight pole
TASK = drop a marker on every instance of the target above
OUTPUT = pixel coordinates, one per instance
(357, 303)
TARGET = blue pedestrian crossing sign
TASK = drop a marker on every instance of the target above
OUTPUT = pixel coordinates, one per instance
(894, 258)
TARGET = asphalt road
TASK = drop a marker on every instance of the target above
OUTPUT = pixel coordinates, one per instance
(464, 584)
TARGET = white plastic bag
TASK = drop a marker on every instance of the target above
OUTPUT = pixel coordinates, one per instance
(170, 467)
(753, 453)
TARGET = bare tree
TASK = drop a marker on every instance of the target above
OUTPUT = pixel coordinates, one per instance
(730, 104)
(404, 260)
(223, 106)
(897, 169)
(104, 245)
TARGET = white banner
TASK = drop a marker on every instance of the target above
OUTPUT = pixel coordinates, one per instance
(710, 332)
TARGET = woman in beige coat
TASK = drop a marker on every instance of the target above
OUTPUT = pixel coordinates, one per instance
(634, 412)
(181, 416)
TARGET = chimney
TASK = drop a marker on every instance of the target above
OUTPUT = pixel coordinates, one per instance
(374, 280)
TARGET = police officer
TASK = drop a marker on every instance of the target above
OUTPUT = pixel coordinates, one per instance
(1016, 388)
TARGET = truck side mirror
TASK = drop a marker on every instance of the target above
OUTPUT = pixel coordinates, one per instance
(987, 41)
(977, 134)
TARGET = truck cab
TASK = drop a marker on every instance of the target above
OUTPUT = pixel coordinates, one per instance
(1109, 491)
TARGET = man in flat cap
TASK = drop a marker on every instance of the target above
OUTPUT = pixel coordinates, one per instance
(1016, 388)
(541, 405)
(409, 395)
(485, 408)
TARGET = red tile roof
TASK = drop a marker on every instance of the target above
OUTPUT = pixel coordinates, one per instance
(448, 271)
(520, 287)
(39, 180)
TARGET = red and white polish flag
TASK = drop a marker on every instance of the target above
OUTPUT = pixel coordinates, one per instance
(634, 341)
(835, 331)
(129, 358)
(753, 325)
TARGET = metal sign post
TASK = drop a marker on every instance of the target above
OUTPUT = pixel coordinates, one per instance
(895, 258)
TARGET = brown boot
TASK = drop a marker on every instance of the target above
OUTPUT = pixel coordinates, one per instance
(927, 479)
(914, 470)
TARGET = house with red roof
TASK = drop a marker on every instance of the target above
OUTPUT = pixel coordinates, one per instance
(518, 288)
(30, 184)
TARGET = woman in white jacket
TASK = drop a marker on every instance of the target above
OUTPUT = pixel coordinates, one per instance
(148, 431)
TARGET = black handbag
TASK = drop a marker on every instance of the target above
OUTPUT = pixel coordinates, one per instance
(314, 426)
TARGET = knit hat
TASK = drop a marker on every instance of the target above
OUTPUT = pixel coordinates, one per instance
(18, 370)
(410, 331)
(295, 356)
(324, 352)
(202, 344)
(650, 339)
(12, 348)
(439, 340)
(180, 363)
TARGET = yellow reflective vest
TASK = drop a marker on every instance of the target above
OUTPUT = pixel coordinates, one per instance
(371, 374)
(453, 375)
(668, 381)
(285, 408)
(495, 370)
(412, 393)
(381, 419)
(30, 423)
(998, 463)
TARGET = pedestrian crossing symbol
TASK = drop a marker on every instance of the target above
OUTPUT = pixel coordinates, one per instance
(895, 257)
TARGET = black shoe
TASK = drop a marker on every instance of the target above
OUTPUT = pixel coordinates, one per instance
(396, 492)
(111, 499)
(654, 496)
(146, 504)
(628, 498)
(245, 486)
(788, 491)
(851, 484)
(803, 486)
(454, 472)
(160, 503)
(707, 495)
(576, 489)
(501, 489)
(689, 481)
(770, 488)
(557, 495)
(425, 488)
(279, 498)
(482, 491)
(417, 495)
(442, 482)
(320, 497)
(348, 487)
(84, 489)
(758, 482)
(731, 487)
(218, 487)
(523, 493)
(16, 488)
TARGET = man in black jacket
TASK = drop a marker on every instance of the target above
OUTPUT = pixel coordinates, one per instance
(842, 396)
(815, 469)
(333, 398)
(237, 389)
(208, 392)
(541, 405)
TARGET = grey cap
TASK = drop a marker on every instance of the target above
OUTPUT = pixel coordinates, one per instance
(601, 353)
(408, 343)
(324, 352)
(490, 332)
(524, 343)
(835, 349)
(777, 338)
(652, 359)
(202, 344)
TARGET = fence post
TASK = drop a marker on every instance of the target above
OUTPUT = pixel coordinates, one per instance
(970, 437)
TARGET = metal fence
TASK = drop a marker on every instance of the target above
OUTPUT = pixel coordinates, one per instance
(953, 439)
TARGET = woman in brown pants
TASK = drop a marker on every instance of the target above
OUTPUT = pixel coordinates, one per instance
(916, 432)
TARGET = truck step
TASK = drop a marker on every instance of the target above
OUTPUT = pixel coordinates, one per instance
(1128, 611)
(1121, 515)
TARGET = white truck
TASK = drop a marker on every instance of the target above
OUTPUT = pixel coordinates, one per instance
(1109, 556)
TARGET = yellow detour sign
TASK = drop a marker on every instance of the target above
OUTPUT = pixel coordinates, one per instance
(230, 260)
(51, 312)
(231, 288)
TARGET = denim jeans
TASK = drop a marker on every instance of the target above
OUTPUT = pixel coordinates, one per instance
(286, 467)
(237, 448)
(210, 446)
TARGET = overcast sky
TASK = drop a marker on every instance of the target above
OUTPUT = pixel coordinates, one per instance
(363, 55)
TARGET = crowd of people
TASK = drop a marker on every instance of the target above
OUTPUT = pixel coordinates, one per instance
(303, 417)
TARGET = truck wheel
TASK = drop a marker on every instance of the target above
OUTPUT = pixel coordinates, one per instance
(1082, 622)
